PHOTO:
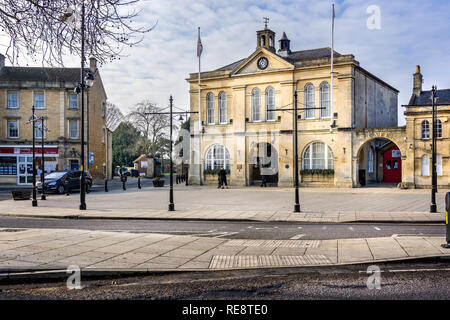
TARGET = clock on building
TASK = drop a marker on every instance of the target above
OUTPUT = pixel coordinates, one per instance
(263, 63)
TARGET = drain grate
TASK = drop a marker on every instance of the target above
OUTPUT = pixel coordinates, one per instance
(274, 243)
(230, 262)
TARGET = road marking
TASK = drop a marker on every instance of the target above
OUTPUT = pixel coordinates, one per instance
(376, 228)
(410, 270)
(296, 237)
(351, 228)
(324, 228)
(300, 227)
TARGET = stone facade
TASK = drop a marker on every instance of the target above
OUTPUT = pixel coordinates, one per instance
(328, 140)
(20, 89)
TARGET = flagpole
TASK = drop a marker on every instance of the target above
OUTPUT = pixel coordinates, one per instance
(332, 62)
(199, 108)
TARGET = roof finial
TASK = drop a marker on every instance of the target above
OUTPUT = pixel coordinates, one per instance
(266, 21)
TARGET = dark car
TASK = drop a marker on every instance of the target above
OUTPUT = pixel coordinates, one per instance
(134, 173)
(58, 180)
(125, 172)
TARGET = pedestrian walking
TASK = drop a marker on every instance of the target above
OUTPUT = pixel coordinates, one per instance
(265, 172)
(222, 178)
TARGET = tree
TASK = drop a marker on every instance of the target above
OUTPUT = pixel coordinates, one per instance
(154, 127)
(49, 28)
(113, 116)
(126, 145)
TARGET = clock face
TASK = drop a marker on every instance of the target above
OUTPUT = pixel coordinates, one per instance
(263, 63)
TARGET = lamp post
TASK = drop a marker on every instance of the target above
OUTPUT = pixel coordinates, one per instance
(433, 207)
(297, 197)
(34, 201)
(43, 196)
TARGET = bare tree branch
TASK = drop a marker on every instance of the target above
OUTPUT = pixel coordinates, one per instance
(42, 27)
(113, 116)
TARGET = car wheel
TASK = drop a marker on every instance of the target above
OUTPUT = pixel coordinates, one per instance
(61, 189)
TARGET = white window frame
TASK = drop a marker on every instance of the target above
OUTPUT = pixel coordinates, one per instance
(223, 114)
(210, 108)
(7, 99)
(270, 104)
(210, 159)
(36, 128)
(327, 152)
(439, 165)
(7, 128)
(256, 105)
(309, 101)
(70, 131)
(438, 128)
(325, 102)
(70, 101)
(34, 99)
(425, 133)
(425, 166)
(370, 161)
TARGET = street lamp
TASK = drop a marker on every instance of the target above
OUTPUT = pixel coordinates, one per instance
(433, 207)
(43, 129)
(33, 119)
(89, 79)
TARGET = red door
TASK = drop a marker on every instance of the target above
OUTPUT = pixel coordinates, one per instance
(392, 165)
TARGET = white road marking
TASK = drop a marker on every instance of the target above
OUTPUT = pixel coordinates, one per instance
(300, 227)
(351, 228)
(296, 237)
(324, 228)
(376, 228)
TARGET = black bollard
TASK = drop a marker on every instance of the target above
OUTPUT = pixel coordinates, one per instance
(123, 185)
(106, 185)
(66, 186)
(139, 182)
(447, 226)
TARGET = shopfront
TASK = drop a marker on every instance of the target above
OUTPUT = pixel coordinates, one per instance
(16, 163)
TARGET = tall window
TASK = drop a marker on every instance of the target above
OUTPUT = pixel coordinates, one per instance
(222, 107)
(210, 108)
(73, 129)
(270, 104)
(317, 155)
(425, 129)
(38, 131)
(103, 109)
(325, 100)
(73, 101)
(39, 100)
(439, 164)
(256, 104)
(309, 101)
(217, 157)
(13, 129)
(370, 161)
(103, 135)
(425, 166)
(438, 128)
(13, 100)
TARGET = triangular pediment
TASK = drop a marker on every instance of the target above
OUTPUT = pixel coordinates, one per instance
(250, 65)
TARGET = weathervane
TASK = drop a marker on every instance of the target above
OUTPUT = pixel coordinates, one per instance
(266, 21)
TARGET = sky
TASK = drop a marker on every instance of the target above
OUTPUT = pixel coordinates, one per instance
(413, 32)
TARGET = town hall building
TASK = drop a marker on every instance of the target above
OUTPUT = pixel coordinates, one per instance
(246, 122)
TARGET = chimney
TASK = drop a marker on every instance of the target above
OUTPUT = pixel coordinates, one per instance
(2, 61)
(92, 63)
(418, 80)
(285, 46)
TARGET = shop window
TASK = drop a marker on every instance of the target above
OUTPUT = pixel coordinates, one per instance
(8, 166)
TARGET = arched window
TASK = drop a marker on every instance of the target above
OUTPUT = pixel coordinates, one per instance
(256, 104)
(309, 101)
(370, 161)
(439, 164)
(438, 128)
(325, 100)
(217, 157)
(210, 108)
(425, 129)
(425, 166)
(222, 107)
(270, 104)
(317, 155)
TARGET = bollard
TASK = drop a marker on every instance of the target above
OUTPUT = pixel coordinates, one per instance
(123, 185)
(139, 182)
(106, 185)
(447, 227)
(66, 186)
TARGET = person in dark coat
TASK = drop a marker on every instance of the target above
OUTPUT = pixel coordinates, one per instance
(223, 178)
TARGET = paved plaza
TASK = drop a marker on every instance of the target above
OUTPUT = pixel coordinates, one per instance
(253, 203)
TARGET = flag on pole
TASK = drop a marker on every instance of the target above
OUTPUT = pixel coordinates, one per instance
(199, 46)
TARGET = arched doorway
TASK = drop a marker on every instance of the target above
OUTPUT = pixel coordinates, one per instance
(263, 161)
(379, 161)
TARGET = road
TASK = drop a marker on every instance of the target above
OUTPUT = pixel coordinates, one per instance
(420, 280)
(232, 230)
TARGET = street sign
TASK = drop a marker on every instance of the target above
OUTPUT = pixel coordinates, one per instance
(91, 158)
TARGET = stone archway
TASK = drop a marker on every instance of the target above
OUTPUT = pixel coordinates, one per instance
(389, 148)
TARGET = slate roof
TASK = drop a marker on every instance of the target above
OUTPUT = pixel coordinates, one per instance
(40, 74)
(294, 57)
(424, 99)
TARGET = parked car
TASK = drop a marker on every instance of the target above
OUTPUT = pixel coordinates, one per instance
(124, 171)
(56, 181)
(134, 173)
